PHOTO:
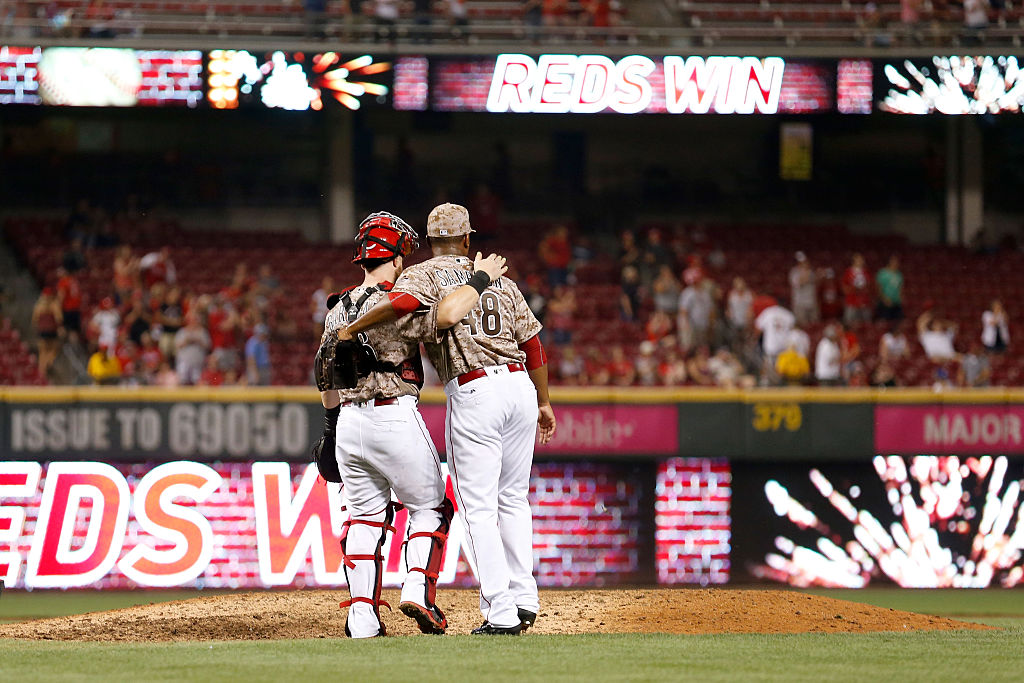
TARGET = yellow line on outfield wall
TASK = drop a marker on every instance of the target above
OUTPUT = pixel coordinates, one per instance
(601, 395)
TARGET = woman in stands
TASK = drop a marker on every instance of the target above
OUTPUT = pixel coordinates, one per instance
(995, 328)
(47, 319)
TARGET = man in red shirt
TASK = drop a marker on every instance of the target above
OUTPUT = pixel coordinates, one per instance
(556, 253)
(223, 322)
(828, 295)
(69, 291)
(856, 292)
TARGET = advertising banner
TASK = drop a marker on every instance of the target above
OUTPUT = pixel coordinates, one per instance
(266, 524)
(213, 430)
(950, 429)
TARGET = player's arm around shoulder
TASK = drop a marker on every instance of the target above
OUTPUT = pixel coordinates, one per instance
(457, 304)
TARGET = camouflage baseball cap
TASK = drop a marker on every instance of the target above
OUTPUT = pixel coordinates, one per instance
(448, 220)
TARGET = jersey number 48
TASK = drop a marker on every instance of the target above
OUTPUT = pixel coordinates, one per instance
(486, 318)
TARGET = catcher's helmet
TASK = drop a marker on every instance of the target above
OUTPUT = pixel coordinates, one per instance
(384, 236)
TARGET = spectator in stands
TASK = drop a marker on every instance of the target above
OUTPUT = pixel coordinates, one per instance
(555, 12)
(890, 290)
(257, 357)
(800, 340)
(560, 314)
(571, 368)
(629, 296)
(598, 373)
(318, 305)
(829, 300)
(166, 376)
(774, 323)
(874, 22)
(884, 376)
(149, 359)
(73, 258)
(673, 369)
(126, 273)
(157, 266)
(936, 337)
(803, 286)
(975, 369)
(212, 375)
(620, 368)
(893, 345)
(849, 349)
(597, 13)
(127, 353)
(658, 327)
(694, 272)
(103, 367)
(533, 17)
(191, 344)
(69, 292)
(910, 17)
(169, 317)
(696, 310)
(104, 324)
(458, 18)
(828, 366)
(629, 253)
(654, 255)
(99, 18)
(995, 328)
(698, 367)
(316, 18)
(535, 299)
(555, 253)
(856, 293)
(739, 307)
(225, 325)
(727, 370)
(792, 365)
(385, 15)
(423, 18)
(46, 320)
(647, 365)
(665, 291)
(975, 21)
(138, 320)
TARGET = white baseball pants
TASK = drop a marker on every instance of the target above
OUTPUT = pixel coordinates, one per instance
(380, 448)
(491, 427)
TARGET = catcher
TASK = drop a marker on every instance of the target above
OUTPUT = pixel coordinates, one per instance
(375, 440)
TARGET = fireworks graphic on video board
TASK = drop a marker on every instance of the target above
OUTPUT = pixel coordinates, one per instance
(293, 81)
(955, 523)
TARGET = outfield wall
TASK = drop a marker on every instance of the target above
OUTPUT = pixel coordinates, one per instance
(121, 488)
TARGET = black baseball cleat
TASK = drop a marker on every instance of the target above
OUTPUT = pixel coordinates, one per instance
(526, 618)
(430, 620)
(489, 629)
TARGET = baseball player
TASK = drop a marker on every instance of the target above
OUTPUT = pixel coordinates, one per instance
(380, 443)
(483, 340)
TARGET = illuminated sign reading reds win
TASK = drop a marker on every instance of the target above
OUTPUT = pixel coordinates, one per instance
(587, 84)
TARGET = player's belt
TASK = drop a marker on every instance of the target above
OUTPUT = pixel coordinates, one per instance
(483, 372)
(376, 402)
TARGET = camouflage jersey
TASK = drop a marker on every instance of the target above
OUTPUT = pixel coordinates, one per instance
(489, 335)
(386, 343)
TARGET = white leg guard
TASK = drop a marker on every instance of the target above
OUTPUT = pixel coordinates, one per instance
(424, 552)
(362, 543)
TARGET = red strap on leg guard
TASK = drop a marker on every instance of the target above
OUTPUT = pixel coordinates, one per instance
(352, 565)
(368, 601)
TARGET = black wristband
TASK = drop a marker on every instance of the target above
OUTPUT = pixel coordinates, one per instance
(331, 419)
(479, 281)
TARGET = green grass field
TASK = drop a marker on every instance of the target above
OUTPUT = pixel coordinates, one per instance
(931, 656)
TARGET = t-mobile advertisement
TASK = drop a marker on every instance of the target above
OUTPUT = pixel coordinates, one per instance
(268, 524)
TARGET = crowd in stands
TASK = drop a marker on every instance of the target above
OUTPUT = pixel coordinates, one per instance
(701, 328)
(147, 329)
(665, 305)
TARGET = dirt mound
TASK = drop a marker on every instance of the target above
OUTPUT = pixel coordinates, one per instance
(315, 614)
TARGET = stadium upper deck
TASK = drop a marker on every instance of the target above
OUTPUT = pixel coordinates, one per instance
(789, 27)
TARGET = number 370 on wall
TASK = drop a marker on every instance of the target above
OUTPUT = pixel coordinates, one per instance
(771, 417)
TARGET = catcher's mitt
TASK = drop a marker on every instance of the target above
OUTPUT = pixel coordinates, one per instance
(340, 364)
(325, 459)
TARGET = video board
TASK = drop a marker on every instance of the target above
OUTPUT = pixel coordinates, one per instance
(950, 85)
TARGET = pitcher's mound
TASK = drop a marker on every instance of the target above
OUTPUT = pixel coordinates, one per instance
(315, 614)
